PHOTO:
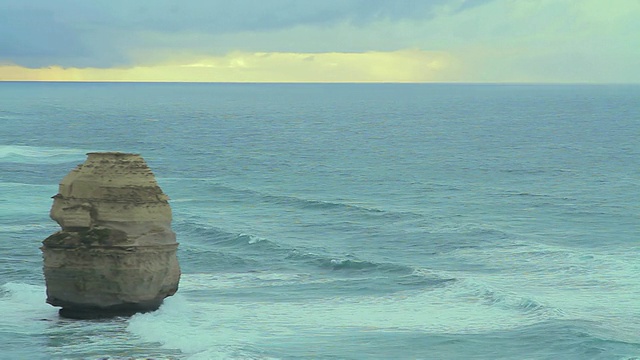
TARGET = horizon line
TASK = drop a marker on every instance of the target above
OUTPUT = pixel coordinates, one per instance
(320, 82)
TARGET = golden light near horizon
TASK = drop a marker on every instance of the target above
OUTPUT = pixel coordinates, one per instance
(563, 41)
(396, 66)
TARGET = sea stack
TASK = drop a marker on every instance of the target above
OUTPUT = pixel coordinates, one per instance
(116, 252)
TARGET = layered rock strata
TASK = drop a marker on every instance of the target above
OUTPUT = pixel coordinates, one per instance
(116, 252)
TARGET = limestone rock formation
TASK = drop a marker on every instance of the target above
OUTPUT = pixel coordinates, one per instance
(116, 252)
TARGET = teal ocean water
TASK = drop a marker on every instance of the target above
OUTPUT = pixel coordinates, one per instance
(345, 221)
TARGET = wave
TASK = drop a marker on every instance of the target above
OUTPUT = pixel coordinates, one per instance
(522, 194)
(30, 329)
(220, 250)
(20, 302)
(451, 238)
(348, 263)
(232, 281)
(312, 204)
(208, 248)
(202, 327)
(211, 236)
(494, 297)
(198, 259)
(39, 155)
(536, 171)
(352, 208)
(21, 185)
(29, 228)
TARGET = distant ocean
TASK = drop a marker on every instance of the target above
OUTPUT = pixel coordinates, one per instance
(345, 221)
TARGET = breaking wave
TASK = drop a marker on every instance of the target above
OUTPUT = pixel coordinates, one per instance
(39, 155)
(494, 297)
(299, 202)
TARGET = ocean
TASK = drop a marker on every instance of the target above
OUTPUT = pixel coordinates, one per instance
(345, 221)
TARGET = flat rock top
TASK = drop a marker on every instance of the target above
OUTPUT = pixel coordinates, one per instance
(111, 176)
(113, 169)
(111, 153)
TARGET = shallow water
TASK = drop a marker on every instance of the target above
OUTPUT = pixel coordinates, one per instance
(345, 221)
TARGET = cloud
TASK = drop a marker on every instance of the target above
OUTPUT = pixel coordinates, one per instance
(105, 33)
(35, 34)
(488, 40)
(398, 66)
(542, 40)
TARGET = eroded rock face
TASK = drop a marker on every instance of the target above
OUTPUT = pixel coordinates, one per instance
(116, 252)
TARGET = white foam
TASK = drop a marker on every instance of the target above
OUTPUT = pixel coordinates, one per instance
(39, 155)
(22, 304)
(29, 227)
(223, 327)
(571, 283)
(254, 239)
(182, 325)
(230, 281)
(182, 200)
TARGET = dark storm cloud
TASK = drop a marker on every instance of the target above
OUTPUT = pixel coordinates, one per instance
(103, 33)
(260, 15)
(36, 34)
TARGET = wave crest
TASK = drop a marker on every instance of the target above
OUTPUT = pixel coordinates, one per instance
(39, 155)
(507, 300)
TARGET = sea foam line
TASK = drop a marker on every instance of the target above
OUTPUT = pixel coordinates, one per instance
(39, 155)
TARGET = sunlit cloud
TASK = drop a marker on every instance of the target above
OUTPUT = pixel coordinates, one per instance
(564, 41)
(397, 66)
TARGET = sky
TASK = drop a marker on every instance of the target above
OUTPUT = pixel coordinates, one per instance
(524, 41)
